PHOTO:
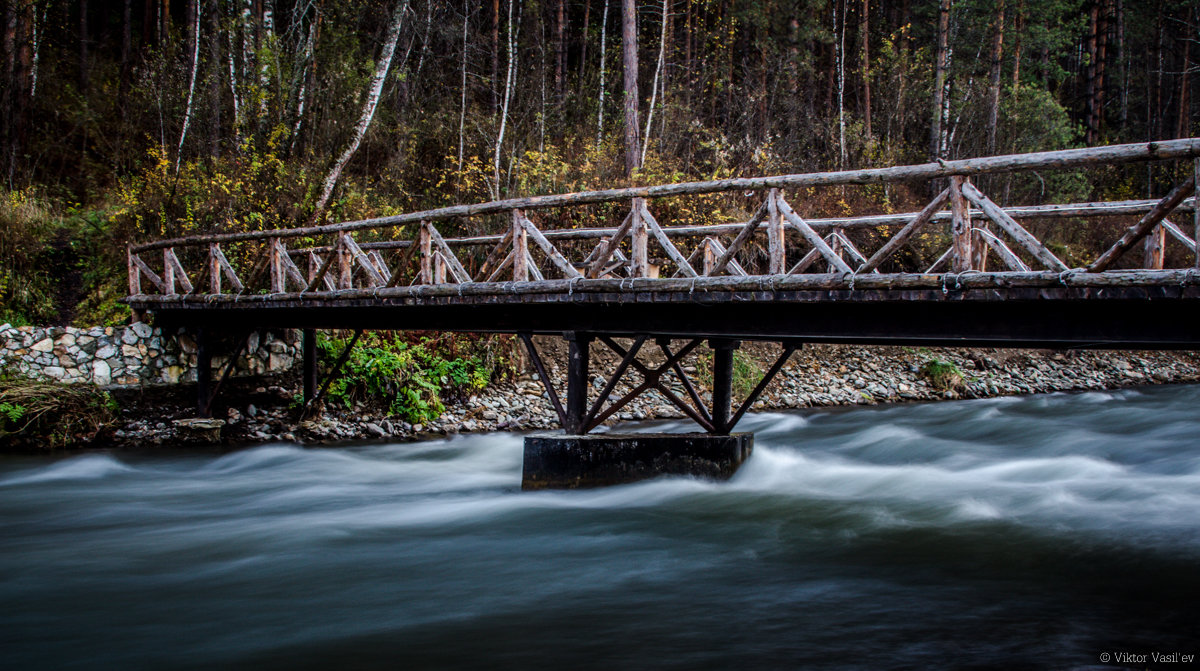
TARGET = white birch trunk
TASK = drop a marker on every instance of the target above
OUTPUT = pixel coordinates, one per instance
(508, 88)
(603, 54)
(368, 111)
(187, 114)
(662, 49)
(462, 110)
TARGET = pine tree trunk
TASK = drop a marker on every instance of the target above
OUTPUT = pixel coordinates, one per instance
(214, 78)
(939, 82)
(633, 154)
(865, 57)
(560, 51)
(368, 110)
(994, 82)
(1185, 104)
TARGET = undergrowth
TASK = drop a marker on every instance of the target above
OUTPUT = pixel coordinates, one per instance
(412, 379)
(50, 415)
(943, 375)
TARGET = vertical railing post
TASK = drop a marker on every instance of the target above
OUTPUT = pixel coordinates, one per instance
(520, 247)
(835, 243)
(979, 246)
(1196, 208)
(345, 264)
(1154, 248)
(135, 275)
(776, 242)
(214, 269)
(168, 273)
(960, 226)
(722, 390)
(578, 354)
(425, 250)
(638, 240)
(710, 257)
(276, 263)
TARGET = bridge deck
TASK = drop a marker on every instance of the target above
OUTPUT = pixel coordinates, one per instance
(1118, 308)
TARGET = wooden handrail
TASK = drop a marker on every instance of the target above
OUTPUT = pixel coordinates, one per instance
(1068, 158)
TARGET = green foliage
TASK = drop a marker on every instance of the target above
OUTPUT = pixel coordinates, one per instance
(410, 380)
(746, 372)
(943, 375)
(50, 415)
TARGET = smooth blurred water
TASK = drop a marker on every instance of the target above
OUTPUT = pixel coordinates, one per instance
(1031, 532)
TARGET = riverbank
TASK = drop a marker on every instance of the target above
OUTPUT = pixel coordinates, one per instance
(265, 410)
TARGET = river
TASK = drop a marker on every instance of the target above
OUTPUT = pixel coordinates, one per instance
(1037, 532)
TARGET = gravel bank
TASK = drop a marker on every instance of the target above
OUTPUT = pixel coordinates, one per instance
(821, 375)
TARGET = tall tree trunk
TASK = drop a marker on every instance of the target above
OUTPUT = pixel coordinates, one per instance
(1185, 102)
(939, 82)
(629, 52)
(1101, 68)
(560, 51)
(496, 55)
(1123, 64)
(865, 59)
(126, 49)
(1018, 30)
(368, 110)
(462, 112)
(214, 78)
(1090, 74)
(194, 41)
(84, 61)
(662, 50)
(633, 155)
(994, 82)
(509, 83)
(603, 54)
(583, 41)
(839, 41)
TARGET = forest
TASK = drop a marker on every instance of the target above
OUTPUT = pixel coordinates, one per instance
(123, 121)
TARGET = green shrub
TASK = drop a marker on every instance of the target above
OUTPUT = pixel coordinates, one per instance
(943, 375)
(408, 380)
(746, 372)
(48, 415)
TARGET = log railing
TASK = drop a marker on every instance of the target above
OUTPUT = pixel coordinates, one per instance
(774, 243)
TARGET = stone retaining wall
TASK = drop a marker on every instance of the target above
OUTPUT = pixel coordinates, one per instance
(135, 355)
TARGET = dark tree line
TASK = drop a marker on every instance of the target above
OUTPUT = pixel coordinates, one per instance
(427, 100)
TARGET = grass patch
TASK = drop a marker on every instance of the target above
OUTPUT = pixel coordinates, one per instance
(943, 375)
(51, 415)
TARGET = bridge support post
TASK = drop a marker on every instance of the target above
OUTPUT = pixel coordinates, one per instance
(722, 391)
(578, 358)
(203, 372)
(308, 343)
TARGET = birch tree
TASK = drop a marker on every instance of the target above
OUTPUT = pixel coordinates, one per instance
(600, 95)
(187, 114)
(368, 110)
(658, 69)
(509, 81)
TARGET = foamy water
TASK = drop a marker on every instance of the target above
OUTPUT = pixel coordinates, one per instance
(1012, 533)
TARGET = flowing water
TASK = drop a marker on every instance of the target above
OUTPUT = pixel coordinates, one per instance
(1039, 532)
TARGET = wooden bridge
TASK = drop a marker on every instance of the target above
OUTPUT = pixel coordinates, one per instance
(776, 275)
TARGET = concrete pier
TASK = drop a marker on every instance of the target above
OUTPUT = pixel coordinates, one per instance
(556, 461)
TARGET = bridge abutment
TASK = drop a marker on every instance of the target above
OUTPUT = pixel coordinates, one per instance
(555, 461)
(579, 458)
